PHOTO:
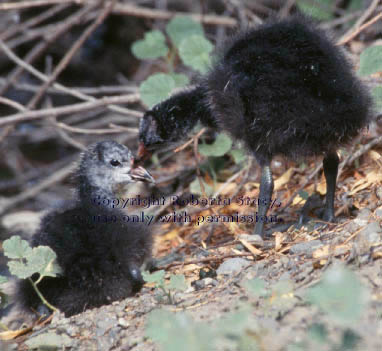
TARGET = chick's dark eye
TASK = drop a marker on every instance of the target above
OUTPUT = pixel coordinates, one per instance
(115, 163)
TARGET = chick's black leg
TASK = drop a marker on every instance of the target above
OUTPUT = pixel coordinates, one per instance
(266, 190)
(330, 164)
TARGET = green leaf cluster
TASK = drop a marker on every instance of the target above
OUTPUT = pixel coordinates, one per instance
(319, 9)
(377, 95)
(156, 88)
(188, 41)
(370, 60)
(340, 295)
(195, 52)
(219, 147)
(196, 189)
(176, 283)
(152, 46)
(323, 10)
(182, 27)
(370, 63)
(179, 331)
(26, 261)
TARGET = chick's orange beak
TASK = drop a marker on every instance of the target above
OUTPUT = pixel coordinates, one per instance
(143, 153)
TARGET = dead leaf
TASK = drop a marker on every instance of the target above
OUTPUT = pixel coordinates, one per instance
(11, 334)
(371, 178)
(298, 200)
(279, 238)
(375, 156)
(284, 178)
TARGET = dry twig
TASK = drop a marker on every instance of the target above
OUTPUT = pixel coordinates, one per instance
(43, 45)
(359, 30)
(356, 29)
(69, 55)
(129, 10)
(69, 91)
(20, 27)
(84, 106)
(189, 142)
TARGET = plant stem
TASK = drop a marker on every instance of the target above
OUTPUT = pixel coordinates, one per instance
(54, 309)
(170, 59)
(168, 294)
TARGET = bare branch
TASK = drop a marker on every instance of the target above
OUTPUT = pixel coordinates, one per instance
(20, 27)
(130, 10)
(58, 86)
(358, 23)
(69, 55)
(359, 30)
(12, 103)
(89, 131)
(100, 90)
(34, 3)
(84, 106)
(41, 47)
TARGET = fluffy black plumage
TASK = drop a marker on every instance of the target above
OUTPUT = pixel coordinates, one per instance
(100, 259)
(284, 89)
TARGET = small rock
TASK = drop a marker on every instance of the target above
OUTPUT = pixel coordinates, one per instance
(59, 318)
(105, 342)
(123, 323)
(71, 330)
(198, 284)
(232, 266)
(285, 276)
(378, 212)
(362, 217)
(305, 248)
(372, 233)
(202, 283)
(284, 261)
(365, 213)
(351, 227)
(49, 341)
(252, 238)
(104, 324)
(189, 290)
(8, 347)
(379, 193)
(210, 281)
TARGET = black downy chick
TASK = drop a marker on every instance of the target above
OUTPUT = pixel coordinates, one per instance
(284, 89)
(100, 254)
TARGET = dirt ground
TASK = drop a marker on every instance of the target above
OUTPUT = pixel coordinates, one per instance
(277, 321)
